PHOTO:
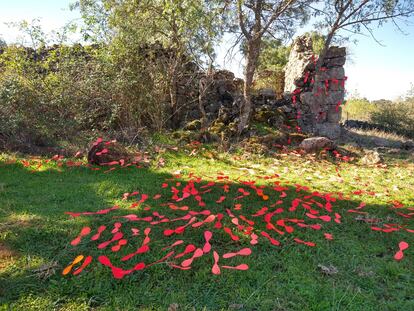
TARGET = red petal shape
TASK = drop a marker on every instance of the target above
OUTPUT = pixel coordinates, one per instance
(272, 240)
(98, 234)
(216, 269)
(84, 231)
(325, 218)
(141, 250)
(207, 247)
(139, 266)
(116, 236)
(229, 232)
(403, 245)
(399, 255)
(168, 232)
(328, 236)
(242, 252)
(188, 249)
(87, 261)
(198, 253)
(243, 267)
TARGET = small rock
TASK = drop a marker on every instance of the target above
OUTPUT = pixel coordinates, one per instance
(173, 307)
(328, 270)
(236, 306)
(315, 144)
(335, 51)
(371, 158)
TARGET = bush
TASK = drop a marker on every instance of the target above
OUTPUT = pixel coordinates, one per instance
(51, 93)
(57, 93)
(357, 109)
(398, 116)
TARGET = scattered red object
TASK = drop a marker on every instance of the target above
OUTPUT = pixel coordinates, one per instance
(198, 253)
(216, 268)
(98, 234)
(207, 247)
(87, 261)
(143, 249)
(281, 216)
(85, 231)
(242, 252)
(402, 247)
(242, 267)
(117, 236)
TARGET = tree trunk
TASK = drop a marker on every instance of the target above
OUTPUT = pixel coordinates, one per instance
(173, 88)
(204, 85)
(253, 52)
(321, 58)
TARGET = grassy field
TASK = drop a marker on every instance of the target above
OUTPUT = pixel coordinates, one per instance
(35, 234)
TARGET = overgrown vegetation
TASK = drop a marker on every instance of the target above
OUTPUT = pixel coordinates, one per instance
(138, 56)
(394, 116)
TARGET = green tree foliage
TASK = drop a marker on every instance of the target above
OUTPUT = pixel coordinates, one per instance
(270, 72)
(273, 58)
(54, 93)
(128, 78)
(180, 33)
(358, 109)
(274, 55)
(3, 43)
(397, 116)
(258, 19)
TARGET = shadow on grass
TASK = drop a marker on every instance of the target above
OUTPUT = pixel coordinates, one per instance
(280, 277)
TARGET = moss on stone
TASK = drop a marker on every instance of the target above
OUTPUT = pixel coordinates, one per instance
(193, 125)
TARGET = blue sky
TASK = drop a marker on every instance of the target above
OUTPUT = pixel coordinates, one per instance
(375, 71)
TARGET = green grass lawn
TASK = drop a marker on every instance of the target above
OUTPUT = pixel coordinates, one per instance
(35, 231)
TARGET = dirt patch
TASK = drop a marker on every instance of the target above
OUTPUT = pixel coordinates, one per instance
(7, 256)
(24, 223)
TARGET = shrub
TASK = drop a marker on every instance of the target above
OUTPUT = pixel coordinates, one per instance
(397, 116)
(357, 109)
(56, 93)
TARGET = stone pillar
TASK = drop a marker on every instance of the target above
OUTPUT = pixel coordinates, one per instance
(317, 96)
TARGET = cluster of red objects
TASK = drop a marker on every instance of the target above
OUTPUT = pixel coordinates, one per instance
(228, 214)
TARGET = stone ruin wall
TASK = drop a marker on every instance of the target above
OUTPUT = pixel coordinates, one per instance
(221, 97)
(313, 98)
(316, 96)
